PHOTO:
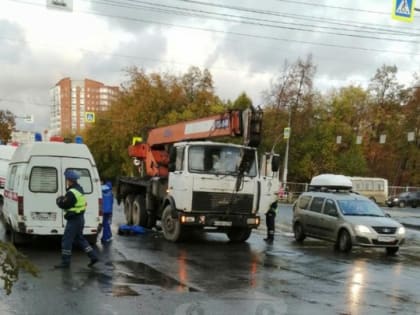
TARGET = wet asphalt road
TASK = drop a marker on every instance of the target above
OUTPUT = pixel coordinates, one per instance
(145, 274)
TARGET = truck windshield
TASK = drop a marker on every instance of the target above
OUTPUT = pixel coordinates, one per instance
(221, 160)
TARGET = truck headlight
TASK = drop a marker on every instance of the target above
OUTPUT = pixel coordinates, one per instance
(401, 230)
(253, 221)
(187, 219)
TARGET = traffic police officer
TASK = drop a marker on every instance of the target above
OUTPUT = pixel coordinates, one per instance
(270, 217)
(74, 205)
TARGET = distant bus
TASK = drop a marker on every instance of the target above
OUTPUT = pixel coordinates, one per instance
(374, 188)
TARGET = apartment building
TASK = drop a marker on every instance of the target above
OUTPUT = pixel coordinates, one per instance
(72, 99)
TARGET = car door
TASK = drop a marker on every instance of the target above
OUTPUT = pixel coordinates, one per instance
(314, 216)
(329, 220)
(41, 187)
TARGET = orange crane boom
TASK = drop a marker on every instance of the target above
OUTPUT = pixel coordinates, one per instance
(154, 153)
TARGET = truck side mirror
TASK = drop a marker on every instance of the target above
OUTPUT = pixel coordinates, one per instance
(275, 163)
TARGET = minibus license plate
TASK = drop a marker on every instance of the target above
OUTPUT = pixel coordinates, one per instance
(44, 216)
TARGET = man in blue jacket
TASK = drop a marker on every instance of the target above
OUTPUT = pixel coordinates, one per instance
(74, 205)
(107, 204)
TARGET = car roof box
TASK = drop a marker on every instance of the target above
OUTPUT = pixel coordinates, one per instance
(330, 182)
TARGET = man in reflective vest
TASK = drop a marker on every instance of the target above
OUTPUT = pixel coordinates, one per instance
(74, 205)
(270, 218)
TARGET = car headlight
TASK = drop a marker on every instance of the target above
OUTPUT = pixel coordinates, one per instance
(362, 229)
(401, 230)
(395, 200)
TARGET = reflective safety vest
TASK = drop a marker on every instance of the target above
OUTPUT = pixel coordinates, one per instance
(80, 205)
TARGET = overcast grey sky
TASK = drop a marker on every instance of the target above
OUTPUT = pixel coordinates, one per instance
(243, 43)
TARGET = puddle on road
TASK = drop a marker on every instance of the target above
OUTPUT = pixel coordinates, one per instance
(122, 277)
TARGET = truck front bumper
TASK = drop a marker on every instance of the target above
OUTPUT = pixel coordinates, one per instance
(219, 221)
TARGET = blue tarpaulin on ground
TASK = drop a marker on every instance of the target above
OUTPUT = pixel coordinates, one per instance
(131, 229)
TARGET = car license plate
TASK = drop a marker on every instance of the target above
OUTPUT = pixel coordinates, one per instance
(222, 223)
(386, 239)
(44, 216)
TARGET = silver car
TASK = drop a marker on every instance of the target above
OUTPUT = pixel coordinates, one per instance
(347, 219)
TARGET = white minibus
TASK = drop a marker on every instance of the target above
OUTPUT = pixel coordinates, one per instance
(35, 179)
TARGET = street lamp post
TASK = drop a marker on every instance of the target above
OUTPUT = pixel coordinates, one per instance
(286, 154)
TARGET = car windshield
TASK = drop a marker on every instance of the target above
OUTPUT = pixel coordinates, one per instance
(360, 208)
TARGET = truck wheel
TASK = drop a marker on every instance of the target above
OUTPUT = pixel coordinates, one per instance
(238, 235)
(139, 212)
(128, 206)
(172, 230)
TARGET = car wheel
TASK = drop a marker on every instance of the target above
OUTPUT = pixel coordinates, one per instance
(299, 233)
(344, 241)
(17, 238)
(401, 204)
(414, 205)
(392, 250)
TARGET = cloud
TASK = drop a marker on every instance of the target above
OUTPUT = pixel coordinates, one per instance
(40, 46)
(13, 46)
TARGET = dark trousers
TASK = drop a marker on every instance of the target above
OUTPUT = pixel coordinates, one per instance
(106, 227)
(73, 234)
(270, 218)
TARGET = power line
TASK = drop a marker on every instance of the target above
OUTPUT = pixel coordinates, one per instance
(234, 33)
(333, 7)
(22, 102)
(227, 32)
(258, 21)
(276, 13)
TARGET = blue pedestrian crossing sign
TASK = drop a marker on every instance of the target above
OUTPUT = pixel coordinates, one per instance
(90, 117)
(403, 10)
